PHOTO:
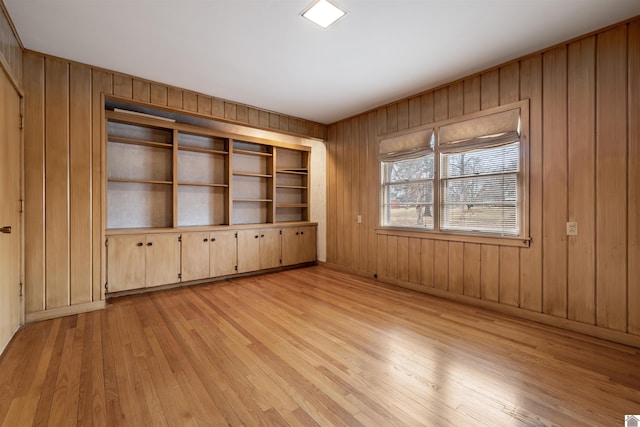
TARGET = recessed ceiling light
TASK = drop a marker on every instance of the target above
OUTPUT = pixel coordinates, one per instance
(323, 13)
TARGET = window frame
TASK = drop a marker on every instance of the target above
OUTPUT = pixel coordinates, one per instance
(522, 239)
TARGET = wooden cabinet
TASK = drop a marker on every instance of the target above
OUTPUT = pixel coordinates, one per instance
(298, 245)
(126, 262)
(195, 256)
(223, 253)
(258, 249)
(137, 261)
(162, 259)
(270, 248)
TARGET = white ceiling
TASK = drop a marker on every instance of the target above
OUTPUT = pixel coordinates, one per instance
(263, 53)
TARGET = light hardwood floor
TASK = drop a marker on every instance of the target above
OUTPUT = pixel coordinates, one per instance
(309, 347)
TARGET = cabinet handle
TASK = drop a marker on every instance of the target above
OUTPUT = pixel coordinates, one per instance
(297, 233)
(140, 244)
(256, 236)
(302, 232)
(150, 244)
(205, 240)
(213, 239)
(262, 235)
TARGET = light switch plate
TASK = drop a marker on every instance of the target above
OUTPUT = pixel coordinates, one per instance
(572, 228)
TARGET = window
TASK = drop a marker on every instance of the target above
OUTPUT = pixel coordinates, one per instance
(479, 189)
(463, 176)
(408, 192)
(408, 173)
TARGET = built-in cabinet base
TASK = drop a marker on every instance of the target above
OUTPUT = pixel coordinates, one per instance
(152, 259)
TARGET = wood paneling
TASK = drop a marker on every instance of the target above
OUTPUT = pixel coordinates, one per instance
(56, 182)
(80, 157)
(456, 99)
(415, 260)
(472, 95)
(509, 275)
(472, 270)
(490, 89)
(456, 267)
(34, 155)
(426, 108)
(531, 259)
(403, 258)
(347, 220)
(611, 178)
(581, 152)
(141, 91)
(441, 104)
(373, 209)
(554, 192)
(441, 265)
(101, 83)
(490, 272)
(428, 256)
(391, 257)
(122, 86)
(633, 179)
(510, 83)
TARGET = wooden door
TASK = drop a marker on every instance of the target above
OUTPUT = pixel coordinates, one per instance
(270, 248)
(248, 250)
(126, 262)
(308, 244)
(290, 245)
(195, 256)
(223, 252)
(10, 238)
(162, 259)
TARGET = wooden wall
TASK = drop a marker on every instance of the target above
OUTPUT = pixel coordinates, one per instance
(63, 143)
(584, 166)
(10, 48)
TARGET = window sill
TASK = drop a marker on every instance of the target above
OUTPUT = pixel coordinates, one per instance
(522, 242)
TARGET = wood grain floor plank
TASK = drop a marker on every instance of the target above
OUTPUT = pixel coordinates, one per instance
(309, 347)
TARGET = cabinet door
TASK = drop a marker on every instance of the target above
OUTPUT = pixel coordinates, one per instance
(195, 256)
(248, 250)
(126, 262)
(223, 252)
(307, 244)
(270, 248)
(290, 245)
(162, 259)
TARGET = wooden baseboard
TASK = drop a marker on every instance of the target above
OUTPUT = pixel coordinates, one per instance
(64, 311)
(566, 324)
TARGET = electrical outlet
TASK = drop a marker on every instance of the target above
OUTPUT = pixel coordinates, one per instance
(572, 228)
(359, 219)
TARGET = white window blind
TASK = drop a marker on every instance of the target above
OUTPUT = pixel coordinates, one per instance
(480, 190)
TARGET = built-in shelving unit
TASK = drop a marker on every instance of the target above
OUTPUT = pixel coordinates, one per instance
(166, 174)
(252, 183)
(292, 185)
(188, 203)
